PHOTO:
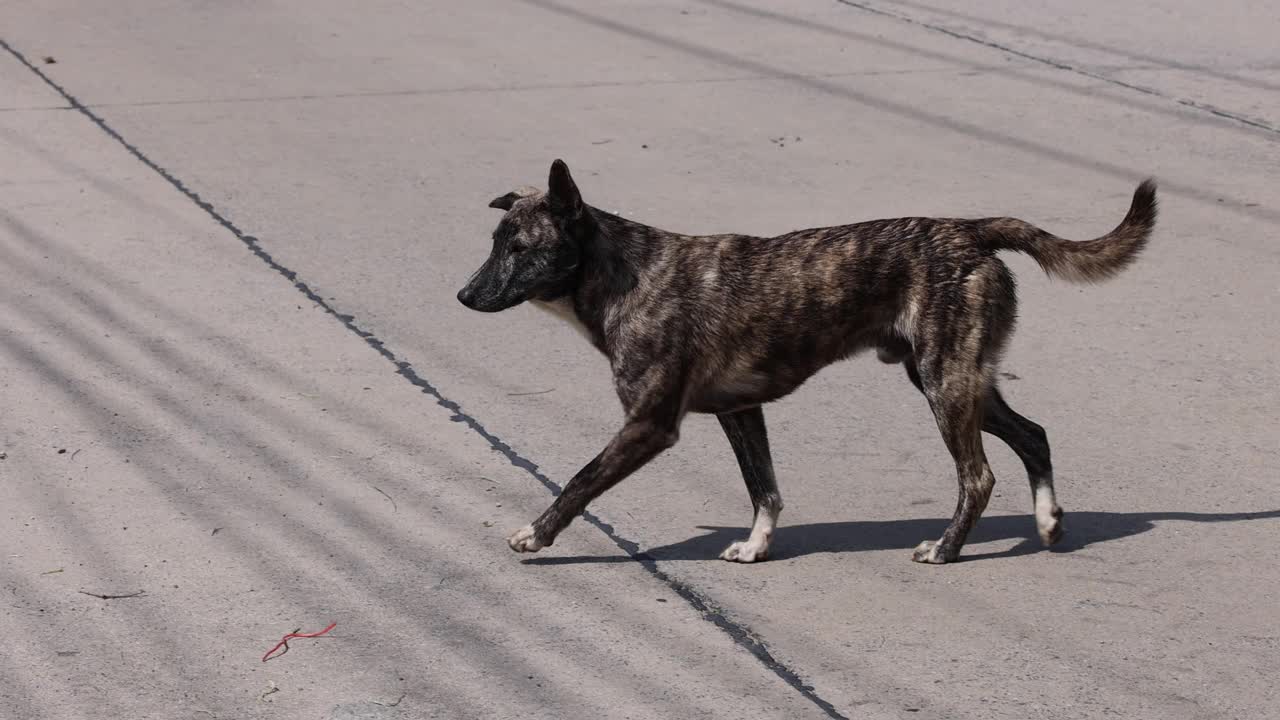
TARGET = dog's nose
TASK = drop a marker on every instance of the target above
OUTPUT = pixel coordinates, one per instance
(467, 298)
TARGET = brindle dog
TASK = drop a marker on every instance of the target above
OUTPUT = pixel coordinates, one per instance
(726, 323)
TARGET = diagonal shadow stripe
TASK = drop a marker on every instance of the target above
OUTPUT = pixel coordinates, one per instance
(1060, 65)
(904, 110)
(739, 633)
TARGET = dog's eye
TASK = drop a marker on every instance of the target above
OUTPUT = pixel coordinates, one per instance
(518, 247)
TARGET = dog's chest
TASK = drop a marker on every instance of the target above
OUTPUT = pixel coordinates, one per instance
(563, 309)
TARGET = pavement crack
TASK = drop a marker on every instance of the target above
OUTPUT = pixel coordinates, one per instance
(739, 633)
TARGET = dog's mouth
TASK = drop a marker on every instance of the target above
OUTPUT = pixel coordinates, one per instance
(498, 307)
(488, 304)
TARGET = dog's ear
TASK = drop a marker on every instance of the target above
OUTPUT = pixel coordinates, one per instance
(506, 201)
(561, 190)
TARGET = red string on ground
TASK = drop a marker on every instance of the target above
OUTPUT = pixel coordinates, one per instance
(284, 641)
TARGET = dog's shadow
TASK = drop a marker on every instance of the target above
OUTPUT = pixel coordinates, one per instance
(1082, 529)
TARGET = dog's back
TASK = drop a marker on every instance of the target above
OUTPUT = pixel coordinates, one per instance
(757, 316)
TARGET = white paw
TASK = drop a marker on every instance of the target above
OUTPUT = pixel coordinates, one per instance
(1050, 527)
(746, 551)
(1048, 516)
(927, 552)
(524, 540)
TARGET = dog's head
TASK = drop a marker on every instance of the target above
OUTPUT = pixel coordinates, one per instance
(536, 247)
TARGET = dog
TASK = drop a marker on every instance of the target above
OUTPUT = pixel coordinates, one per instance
(724, 324)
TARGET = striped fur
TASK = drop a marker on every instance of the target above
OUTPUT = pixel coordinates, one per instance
(724, 324)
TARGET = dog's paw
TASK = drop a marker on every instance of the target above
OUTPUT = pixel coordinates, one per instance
(1050, 527)
(927, 552)
(746, 551)
(524, 540)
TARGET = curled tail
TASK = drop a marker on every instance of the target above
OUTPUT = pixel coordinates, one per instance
(1087, 261)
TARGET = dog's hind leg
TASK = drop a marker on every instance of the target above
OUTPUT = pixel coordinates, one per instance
(955, 392)
(1029, 441)
(746, 432)
(1031, 444)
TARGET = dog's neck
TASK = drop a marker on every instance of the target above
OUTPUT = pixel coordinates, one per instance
(616, 244)
(615, 252)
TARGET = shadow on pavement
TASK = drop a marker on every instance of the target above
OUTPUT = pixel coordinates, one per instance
(1083, 529)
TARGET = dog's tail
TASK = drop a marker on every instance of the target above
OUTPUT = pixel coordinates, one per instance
(1087, 261)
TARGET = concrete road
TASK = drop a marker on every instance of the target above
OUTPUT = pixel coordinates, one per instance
(235, 378)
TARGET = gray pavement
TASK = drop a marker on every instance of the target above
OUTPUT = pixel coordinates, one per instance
(230, 237)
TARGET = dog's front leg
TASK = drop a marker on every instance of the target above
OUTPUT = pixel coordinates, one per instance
(746, 432)
(639, 442)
